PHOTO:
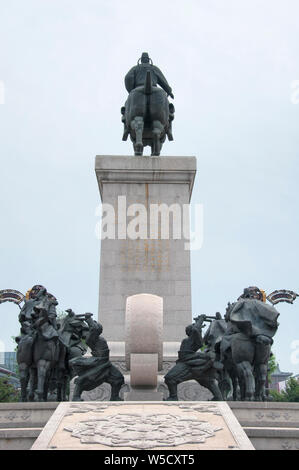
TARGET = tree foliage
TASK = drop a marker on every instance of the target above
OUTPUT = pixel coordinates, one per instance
(272, 364)
(290, 394)
(8, 393)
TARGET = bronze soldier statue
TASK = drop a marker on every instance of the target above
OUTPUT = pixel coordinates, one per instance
(95, 370)
(194, 364)
(137, 75)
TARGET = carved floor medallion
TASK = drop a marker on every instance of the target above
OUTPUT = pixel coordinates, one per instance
(143, 431)
(141, 426)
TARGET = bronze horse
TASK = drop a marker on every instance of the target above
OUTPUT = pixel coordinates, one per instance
(40, 351)
(255, 324)
(147, 117)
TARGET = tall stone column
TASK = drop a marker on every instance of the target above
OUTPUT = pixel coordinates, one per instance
(145, 265)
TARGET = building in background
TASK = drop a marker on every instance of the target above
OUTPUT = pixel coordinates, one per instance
(8, 360)
(278, 379)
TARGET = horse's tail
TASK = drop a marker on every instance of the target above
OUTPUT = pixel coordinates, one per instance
(148, 83)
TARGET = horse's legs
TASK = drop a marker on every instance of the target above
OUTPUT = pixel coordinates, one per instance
(157, 131)
(46, 388)
(24, 379)
(33, 383)
(224, 383)
(42, 373)
(65, 387)
(137, 124)
(234, 379)
(242, 388)
(261, 375)
(60, 383)
(262, 355)
(245, 372)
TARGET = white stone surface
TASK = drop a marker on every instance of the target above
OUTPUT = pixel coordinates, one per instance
(143, 425)
(156, 266)
(144, 326)
(144, 370)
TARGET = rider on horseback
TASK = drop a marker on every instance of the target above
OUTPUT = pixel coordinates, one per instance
(137, 75)
(142, 79)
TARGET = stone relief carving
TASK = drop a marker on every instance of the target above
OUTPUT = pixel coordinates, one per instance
(143, 431)
(86, 408)
(203, 408)
(121, 365)
(286, 445)
(273, 416)
(103, 392)
(188, 391)
(15, 415)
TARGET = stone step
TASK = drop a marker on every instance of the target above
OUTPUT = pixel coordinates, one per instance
(18, 438)
(26, 415)
(273, 438)
(266, 414)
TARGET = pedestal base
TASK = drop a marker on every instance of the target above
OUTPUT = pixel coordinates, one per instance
(149, 262)
(143, 395)
(143, 426)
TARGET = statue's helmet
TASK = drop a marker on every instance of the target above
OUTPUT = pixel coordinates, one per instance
(188, 330)
(228, 311)
(31, 293)
(70, 311)
(253, 292)
(145, 58)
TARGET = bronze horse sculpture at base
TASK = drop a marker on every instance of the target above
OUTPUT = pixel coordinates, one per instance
(40, 349)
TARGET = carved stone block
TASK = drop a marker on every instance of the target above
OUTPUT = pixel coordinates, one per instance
(144, 326)
(144, 369)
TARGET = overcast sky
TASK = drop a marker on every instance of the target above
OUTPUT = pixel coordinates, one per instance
(231, 65)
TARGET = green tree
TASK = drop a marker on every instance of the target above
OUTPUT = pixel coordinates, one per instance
(277, 396)
(272, 364)
(8, 393)
(292, 390)
(291, 393)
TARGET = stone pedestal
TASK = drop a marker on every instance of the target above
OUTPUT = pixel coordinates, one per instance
(153, 265)
(143, 395)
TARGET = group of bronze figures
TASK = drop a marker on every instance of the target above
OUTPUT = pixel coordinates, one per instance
(230, 359)
(235, 350)
(50, 351)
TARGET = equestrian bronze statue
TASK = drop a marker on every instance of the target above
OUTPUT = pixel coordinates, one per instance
(147, 115)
